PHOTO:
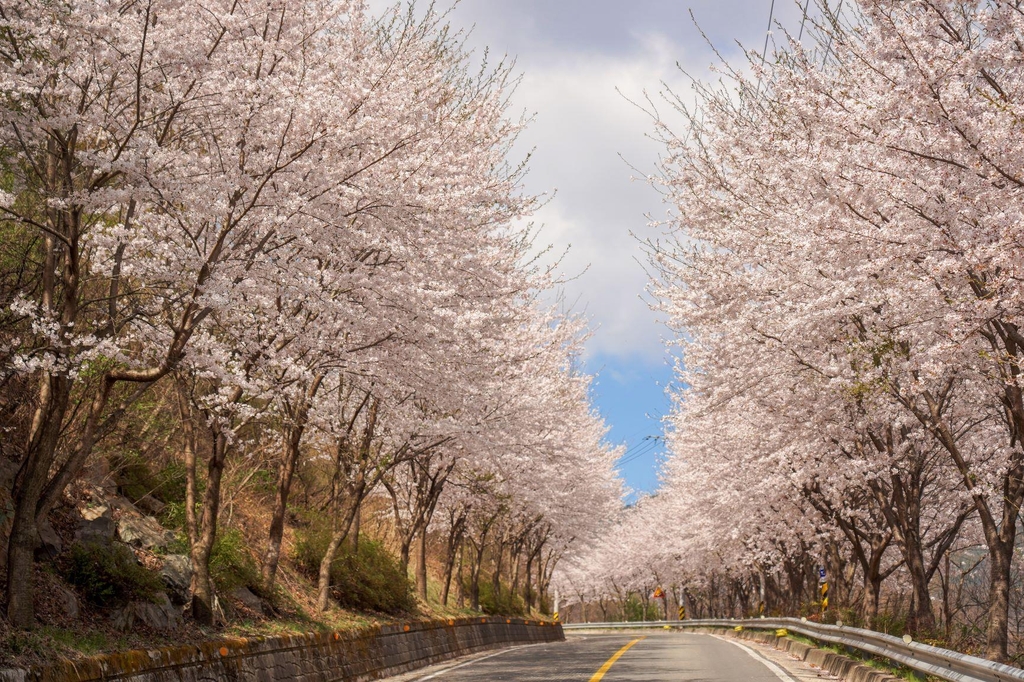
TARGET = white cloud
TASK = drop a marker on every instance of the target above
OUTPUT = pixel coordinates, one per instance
(581, 62)
(587, 133)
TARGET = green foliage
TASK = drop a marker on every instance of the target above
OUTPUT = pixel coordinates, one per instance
(264, 481)
(891, 623)
(633, 610)
(505, 603)
(136, 479)
(231, 564)
(171, 480)
(173, 517)
(109, 575)
(369, 579)
(849, 616)
(310, 547)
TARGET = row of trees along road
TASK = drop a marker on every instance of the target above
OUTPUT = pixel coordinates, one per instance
(843, 270)
(282, 227)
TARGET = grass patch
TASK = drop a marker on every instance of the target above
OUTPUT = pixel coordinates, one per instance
(85, 643)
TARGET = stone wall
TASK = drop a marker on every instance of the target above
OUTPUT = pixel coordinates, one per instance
(314, 657)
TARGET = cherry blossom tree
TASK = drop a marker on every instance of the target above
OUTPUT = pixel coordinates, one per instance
(842, 268)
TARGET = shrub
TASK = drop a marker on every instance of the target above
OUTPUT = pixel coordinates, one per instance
(173, 516)
(634, 610)
(231, 565)
(505, 603)
(171, 483)
(368, 579)
(136, 480)
(109, 575)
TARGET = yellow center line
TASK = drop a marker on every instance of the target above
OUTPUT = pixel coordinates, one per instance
(611, 661)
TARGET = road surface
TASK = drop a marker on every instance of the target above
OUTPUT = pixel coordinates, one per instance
(627, 656)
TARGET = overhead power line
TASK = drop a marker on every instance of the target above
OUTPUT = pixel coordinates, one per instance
(803, 21)
(771, 14)
(767, 36)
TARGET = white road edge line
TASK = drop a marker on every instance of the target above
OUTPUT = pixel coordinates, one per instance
(780, 673)
(463, 665)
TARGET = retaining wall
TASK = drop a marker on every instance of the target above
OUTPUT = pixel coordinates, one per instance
(314, 657)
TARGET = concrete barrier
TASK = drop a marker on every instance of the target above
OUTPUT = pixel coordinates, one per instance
(841, 666)
(314, 657)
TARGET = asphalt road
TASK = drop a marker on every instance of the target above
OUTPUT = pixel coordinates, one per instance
(653, 656)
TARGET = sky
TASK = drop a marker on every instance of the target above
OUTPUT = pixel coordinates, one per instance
(584, 64)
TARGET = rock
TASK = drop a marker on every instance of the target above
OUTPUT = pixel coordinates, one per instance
(8, 471)
(123, 619)
(97, 474)
(68, 602)
(247, 599)
(96, 525)
(177, 576)
(122, 504)
(143, 531)
(50, 544)
(159, 615)
(148, 503)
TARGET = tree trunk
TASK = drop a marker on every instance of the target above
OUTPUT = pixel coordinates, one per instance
(203, 610)
(343, 522)
(944, 578)
(544, 573)
(1000, 563)
(516, 560)
(527, 586)
(460, 583)
(61, 263)
(999, 524)
(474, 573)
(355, 487)
(496, 575)
(446, 578)
(404, 553)
(923, 617)
(421, 566)
(869, 601)
(289, 459)
(456, 528)
(29, 483)
(285, 472)
(353, 531)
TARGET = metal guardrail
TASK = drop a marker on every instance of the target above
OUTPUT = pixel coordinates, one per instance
(949, 665)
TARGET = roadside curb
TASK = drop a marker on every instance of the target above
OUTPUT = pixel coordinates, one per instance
(841, 666)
